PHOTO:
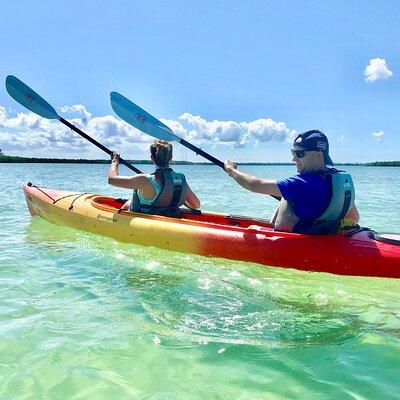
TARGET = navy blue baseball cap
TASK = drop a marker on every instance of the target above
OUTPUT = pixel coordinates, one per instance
(314, 140)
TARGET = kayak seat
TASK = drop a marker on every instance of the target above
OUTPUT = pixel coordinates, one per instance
(121, 201)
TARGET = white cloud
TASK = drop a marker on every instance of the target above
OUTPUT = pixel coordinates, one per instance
(265, 130)
(28, 131)
(340, 138)
(378, 135)
(376, 70)
(32, 134)
(77, 110)
(2, 115)
(175, 126)
(235, 133)
(21, 121)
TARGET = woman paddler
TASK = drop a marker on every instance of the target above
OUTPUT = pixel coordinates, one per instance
(161, 192)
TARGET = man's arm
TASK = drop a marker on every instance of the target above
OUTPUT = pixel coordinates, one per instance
(252, 183)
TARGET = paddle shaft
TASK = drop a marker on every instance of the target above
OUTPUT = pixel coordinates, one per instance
(207, 156)
(96, 143)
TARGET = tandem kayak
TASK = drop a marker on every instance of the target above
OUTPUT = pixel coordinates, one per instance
(357, 252)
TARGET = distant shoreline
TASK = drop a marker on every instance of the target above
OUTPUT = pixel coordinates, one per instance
(18, 160)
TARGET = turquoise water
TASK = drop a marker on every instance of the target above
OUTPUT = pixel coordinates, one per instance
(83, 316)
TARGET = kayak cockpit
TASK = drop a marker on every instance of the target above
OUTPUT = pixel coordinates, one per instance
(106, 203)
(112, 204)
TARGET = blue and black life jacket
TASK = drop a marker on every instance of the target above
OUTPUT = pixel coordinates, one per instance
(341, 195)
(171, 196)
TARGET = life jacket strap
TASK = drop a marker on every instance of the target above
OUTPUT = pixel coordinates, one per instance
(348, 197)
(135, 202)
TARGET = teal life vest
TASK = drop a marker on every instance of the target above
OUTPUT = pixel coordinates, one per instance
(170, 194)
(342, 196)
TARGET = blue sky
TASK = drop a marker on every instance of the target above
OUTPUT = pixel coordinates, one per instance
(238, 79)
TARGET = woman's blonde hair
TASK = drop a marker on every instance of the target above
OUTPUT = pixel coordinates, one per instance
(161, 152)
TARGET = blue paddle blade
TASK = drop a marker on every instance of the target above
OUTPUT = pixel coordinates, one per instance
(28, 98)
(140, 119)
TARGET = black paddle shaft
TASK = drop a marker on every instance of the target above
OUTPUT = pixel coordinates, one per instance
(99, 145)
(202, 153)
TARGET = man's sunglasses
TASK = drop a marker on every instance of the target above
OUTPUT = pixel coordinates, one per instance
(298, 153)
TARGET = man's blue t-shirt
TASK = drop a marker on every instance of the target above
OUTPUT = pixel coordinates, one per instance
(307, 193)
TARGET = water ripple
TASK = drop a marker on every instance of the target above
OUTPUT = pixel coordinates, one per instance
(83, 316)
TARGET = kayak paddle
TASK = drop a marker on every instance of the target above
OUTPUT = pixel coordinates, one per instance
(142, 120)
(28, 98)
(145, 122)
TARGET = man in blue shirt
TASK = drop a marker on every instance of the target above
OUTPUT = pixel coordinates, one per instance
(307, 196)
